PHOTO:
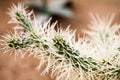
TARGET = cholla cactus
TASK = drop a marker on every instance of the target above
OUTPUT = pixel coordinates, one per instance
(97, 58)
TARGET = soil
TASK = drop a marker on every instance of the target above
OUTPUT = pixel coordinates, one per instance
(24, 68)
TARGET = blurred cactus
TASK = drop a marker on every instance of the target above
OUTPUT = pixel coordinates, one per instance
(54, 7)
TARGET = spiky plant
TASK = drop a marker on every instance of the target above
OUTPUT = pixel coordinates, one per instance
(95, 58)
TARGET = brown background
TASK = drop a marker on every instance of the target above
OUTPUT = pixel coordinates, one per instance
(24, 69)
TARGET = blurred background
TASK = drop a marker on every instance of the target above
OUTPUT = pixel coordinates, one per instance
(68, 12)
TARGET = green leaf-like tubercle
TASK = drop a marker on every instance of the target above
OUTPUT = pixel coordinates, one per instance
(18, 44)
(70, 54)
